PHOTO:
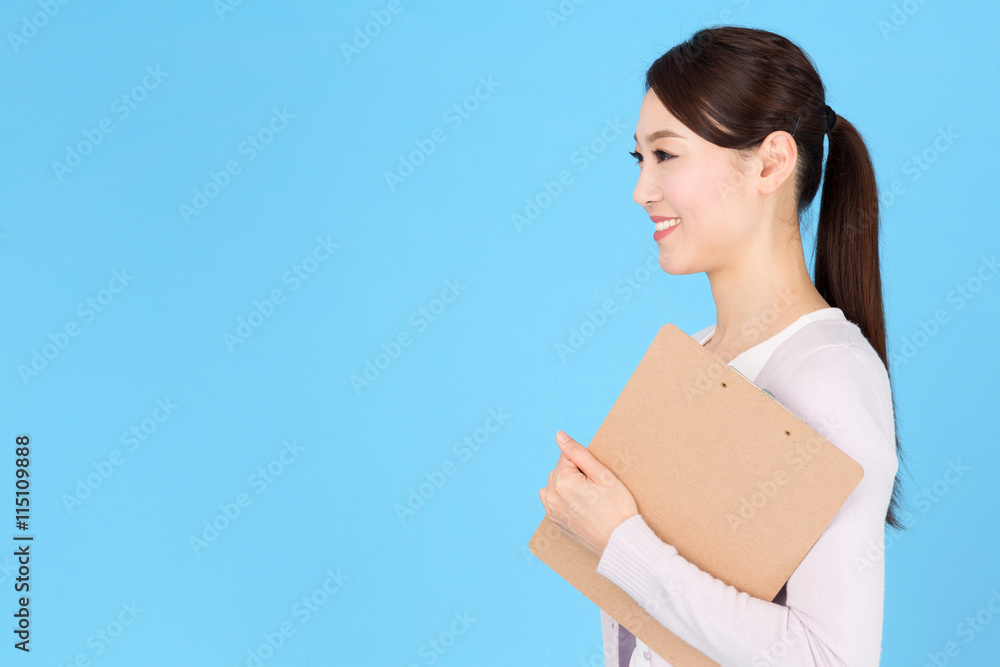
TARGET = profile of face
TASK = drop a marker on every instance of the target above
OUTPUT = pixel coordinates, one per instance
(722, 203)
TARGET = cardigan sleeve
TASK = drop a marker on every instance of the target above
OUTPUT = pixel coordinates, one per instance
(832, 613)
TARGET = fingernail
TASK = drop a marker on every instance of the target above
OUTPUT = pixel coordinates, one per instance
(562, 437)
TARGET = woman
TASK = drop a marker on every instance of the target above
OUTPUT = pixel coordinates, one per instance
(729, 144)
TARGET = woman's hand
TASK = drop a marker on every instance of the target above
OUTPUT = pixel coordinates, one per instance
(584, 498)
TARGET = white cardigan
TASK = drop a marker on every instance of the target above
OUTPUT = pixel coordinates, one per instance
(829, 612)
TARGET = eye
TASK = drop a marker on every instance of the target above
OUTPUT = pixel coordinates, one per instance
(662, 156)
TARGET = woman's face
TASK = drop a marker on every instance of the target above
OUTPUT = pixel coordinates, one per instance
(687, 177)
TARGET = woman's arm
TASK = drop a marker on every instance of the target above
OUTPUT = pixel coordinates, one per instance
(833, 608)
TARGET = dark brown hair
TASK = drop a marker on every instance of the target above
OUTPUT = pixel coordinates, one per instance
(733, 86)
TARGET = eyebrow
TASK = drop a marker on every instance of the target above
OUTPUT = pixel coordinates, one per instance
(659, 134)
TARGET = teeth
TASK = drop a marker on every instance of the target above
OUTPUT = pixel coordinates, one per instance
(667, 224)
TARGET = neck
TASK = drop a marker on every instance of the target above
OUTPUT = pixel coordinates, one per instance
(759, 295)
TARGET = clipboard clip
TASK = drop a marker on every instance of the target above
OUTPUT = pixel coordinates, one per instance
(759, 388)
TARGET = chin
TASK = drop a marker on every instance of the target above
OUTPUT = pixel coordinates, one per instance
(675, 266)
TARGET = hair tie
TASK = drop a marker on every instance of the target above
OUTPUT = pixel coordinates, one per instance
(829, 118)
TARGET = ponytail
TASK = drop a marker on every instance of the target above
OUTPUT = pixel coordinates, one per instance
(847, 272)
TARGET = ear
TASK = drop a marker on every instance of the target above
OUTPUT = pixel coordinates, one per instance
(778, 154)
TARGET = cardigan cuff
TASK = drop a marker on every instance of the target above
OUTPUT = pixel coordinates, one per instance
(632, 556)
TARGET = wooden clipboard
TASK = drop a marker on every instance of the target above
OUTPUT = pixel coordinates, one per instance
(737, 483)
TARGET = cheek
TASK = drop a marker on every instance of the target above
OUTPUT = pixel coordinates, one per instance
(709, 196)
(690, 190)
(729, 189)
(704, 191)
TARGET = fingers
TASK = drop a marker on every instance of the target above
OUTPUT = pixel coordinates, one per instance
(564, 463)
(581, 458)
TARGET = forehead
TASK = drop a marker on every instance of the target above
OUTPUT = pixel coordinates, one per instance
(655, 118)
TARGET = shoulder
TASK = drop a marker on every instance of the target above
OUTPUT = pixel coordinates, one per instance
(834, 352)
(830, 376)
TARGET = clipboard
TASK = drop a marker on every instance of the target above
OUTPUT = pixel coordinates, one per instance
(719, 469)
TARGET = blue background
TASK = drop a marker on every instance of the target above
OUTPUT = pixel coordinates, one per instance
(493, 347)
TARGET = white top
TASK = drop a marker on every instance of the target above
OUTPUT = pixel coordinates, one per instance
(751, 361)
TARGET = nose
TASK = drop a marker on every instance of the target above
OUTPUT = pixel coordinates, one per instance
(646, 190)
